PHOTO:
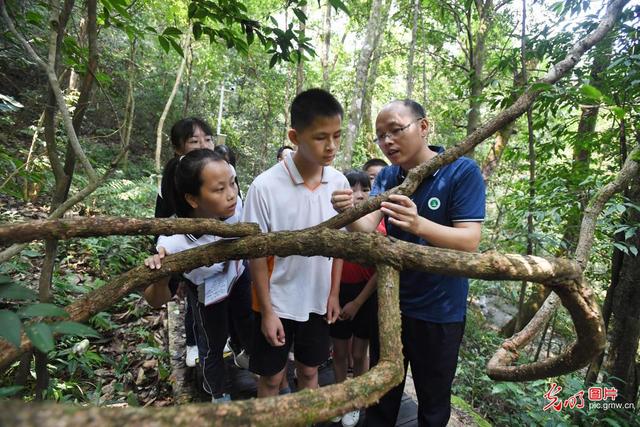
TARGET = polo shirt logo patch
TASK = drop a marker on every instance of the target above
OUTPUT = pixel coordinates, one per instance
(433, 203)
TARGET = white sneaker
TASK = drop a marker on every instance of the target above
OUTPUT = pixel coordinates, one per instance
(191, 358)
(350, 419)
(224, 398)
(241, 360)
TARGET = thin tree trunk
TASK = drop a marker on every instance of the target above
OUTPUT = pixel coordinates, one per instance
(367, 116)
(326, 47)
(375, 26)
(165, 112)
(532, 165)
(412, 47)
(187, 94)
(300, 64)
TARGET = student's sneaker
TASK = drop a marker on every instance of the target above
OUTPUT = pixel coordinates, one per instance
(241, 360)
(191, 358)
(350, 419)
(224, 398)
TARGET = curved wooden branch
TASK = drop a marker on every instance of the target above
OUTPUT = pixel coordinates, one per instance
(519, 107)
(365, 248)
(296, 409)
(62, 229)
(496, 367)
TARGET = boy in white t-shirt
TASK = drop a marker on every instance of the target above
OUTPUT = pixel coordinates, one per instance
(294, 295)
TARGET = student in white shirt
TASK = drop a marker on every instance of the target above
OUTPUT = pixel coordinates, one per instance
(204, 188)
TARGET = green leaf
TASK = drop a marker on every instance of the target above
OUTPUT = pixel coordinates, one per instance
(300, 14)
(176, 47)
(14, 291)
(197, 30)
(339, 5)
(172, 31)
(10, 327)
(164, 43)
(42, 310)
(5, 280)
(10, 391)
(591, 92)
(274, 60)
(74, 328)
(41, 336)
(541, 86)
(618, 112)
(30, 253)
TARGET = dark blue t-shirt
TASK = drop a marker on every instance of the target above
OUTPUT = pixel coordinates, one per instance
(454, 193)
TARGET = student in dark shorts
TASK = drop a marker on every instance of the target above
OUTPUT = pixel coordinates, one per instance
(350, 334)
(294, 296)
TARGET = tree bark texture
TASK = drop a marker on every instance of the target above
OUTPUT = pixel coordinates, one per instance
(371, 249)
(297, 409)
(63, 229)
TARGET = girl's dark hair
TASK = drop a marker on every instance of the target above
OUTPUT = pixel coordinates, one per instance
(226, 152)
(186, 173)
(183, 129)
(358, 177)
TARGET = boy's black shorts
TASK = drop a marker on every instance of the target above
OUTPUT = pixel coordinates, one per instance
(361, 325)
(311, 339)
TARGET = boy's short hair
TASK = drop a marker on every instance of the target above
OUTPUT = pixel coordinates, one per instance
(355, 177)
(311, 103)
(374, 162)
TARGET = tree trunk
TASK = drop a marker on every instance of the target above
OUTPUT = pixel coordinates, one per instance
(300, 64)
(412, 47)
(326, 47)
(624, 331)
(477, 57)
(165, 112)
(367, 116)
(375, 27)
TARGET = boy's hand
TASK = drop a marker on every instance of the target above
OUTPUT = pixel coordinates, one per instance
(155, 262)
(342, 200)
(402, 212)
(350, 310)
(272, 329)
(333, 309)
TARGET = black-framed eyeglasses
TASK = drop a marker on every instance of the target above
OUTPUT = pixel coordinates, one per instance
(394, 133)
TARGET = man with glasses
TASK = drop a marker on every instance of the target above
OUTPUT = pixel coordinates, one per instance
(447, 211)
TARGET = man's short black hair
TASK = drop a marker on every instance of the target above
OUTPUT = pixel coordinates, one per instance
(374, 162)
(312, 103)
(416, 108)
